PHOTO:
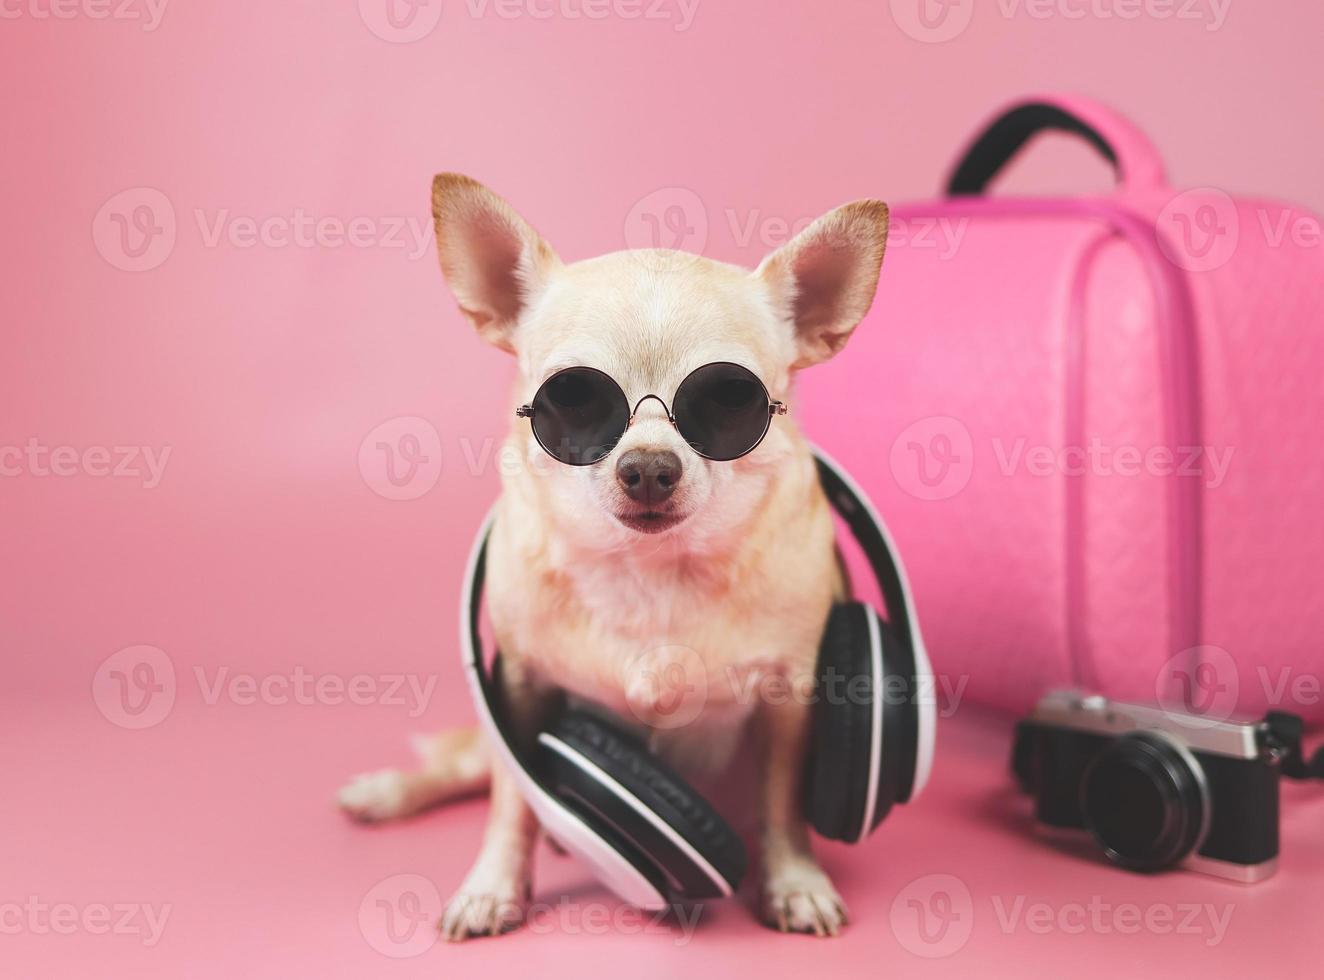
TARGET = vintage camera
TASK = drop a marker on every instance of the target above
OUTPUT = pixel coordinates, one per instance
(1157, 788)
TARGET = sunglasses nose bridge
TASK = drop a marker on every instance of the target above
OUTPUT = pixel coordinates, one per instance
(666, 412)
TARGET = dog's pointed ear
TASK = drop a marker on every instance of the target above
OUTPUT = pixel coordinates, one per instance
(494, 262)
(825, 278)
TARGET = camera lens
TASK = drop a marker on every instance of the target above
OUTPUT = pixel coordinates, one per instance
(1144, 800)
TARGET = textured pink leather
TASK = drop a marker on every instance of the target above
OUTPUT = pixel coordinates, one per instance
(1096, 439)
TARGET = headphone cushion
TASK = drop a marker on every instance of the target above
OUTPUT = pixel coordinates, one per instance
(626, 760)
(837, 780)
(856, 694)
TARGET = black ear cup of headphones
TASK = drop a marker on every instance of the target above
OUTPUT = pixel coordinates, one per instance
(646, 811)
(862, 754)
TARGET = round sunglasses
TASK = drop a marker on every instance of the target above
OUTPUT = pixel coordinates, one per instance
(722, 410)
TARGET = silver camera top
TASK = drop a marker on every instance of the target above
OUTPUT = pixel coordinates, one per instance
(1099, 715)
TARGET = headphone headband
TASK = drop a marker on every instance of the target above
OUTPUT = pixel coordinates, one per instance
(868, 530)
(610, 866)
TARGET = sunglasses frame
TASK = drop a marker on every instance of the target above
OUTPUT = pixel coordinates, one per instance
(775, 407)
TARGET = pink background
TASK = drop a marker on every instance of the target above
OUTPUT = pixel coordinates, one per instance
(270, 543)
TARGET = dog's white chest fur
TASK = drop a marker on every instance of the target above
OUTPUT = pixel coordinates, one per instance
(656, 644)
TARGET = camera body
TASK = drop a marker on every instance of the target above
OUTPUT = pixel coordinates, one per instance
(1155, 788)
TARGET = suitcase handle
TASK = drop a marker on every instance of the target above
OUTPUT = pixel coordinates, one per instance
(1118, 141)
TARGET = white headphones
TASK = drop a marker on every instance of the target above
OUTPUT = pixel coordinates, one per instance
(652, 839)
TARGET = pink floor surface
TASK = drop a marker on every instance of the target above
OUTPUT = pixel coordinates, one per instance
(216, 838)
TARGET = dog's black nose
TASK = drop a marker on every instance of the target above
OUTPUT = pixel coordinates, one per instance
(648, 477)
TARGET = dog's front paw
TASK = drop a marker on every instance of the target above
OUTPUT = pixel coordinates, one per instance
(797, 896)
(376, 796)
(484, 907)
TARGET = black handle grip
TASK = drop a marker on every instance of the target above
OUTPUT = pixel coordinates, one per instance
(1001, 141)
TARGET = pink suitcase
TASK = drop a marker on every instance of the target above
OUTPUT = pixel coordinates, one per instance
(1094, 426)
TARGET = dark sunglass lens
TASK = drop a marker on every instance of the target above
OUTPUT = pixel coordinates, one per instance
(578, 415)
(722, 411)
